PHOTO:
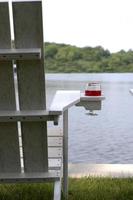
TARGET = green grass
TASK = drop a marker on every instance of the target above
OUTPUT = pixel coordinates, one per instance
(101, 189)
(79, 189)
(26, 191)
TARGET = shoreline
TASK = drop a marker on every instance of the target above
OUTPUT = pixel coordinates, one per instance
(80, 170)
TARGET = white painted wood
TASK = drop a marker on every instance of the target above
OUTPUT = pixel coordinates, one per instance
(64, 99)
(56, 131)
(57, 190)
(3, 1)
(28, 34)
(20, 54)
(9, 145)
(65, 153)
(90, 102)
(91, 98)
(54, 152)
(54, 149)
(27, 115)
(23, 113)
(90, 105)
(30, 177)
(55, 163)
(26, 1)
(55, 141)
(31, 90)
(5, 40)
(31, 83)
(34, 146)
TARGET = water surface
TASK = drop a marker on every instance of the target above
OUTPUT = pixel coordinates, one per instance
(107, 137)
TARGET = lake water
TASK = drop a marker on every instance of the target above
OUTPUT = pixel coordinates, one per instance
(108, 136)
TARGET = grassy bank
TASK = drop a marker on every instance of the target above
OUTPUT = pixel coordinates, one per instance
(79, 189)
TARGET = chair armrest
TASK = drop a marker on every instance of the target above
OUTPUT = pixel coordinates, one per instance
(63, 100)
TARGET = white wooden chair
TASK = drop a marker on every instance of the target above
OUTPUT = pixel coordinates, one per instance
(28, 152)
(26, 155)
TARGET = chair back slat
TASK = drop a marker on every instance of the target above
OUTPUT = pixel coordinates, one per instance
(31, 83)
(9, 143)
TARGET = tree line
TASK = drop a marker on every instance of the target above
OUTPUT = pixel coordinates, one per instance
(62, 58)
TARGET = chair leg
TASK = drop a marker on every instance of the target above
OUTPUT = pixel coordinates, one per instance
(65, 154)
(57, 190)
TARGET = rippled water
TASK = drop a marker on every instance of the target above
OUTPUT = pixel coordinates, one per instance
(107, 137)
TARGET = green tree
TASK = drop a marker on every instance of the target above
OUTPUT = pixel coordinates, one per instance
(67, 58)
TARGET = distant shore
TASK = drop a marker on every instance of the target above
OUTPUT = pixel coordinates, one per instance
(63, 58)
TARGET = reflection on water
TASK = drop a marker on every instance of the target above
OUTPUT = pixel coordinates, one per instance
(108, 136)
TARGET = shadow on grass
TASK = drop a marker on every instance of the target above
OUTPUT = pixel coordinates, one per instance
(32, 191)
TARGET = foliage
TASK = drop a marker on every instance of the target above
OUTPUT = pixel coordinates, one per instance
(67, 59)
